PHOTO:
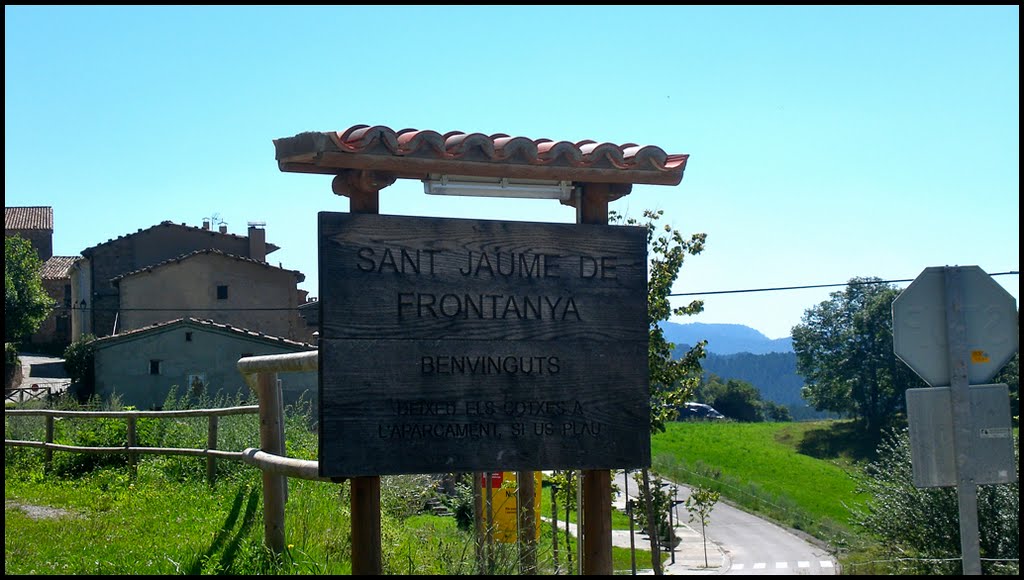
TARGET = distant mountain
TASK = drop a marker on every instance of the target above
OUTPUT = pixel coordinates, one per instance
(725, 338)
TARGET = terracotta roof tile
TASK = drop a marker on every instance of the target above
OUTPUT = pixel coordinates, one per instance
(414, 153)
(199, 322)
(58, 267)
(28, 218)
(298, 275)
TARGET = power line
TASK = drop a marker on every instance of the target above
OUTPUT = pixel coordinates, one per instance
(706, 293)
(860, 283)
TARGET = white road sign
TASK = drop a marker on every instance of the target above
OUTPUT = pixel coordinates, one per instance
(919, 326)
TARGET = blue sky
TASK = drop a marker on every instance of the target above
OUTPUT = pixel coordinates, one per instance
(825, 143)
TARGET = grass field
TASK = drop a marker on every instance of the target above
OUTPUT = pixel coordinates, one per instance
(90, 517)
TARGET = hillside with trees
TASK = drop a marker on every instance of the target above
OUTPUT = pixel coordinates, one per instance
(773, 374)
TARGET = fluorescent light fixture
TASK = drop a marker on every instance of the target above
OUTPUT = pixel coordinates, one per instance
(497, 187)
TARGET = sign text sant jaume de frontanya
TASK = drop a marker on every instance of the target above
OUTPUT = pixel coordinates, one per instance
(451, 345)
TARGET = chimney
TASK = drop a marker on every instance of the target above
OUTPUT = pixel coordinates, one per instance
(206, 224)
(257, 242)
(223, 228)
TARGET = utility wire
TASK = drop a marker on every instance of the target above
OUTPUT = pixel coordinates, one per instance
(859, 283)
(707, 293)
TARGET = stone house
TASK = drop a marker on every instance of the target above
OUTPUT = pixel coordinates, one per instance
(244, 293)
(160, 269)
(35, 224)
(193, 356)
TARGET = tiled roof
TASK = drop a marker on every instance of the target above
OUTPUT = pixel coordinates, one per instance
(58, 267)
(170, 224)
(414, 153)
(28, 218)
(202, 323)
(298, 275)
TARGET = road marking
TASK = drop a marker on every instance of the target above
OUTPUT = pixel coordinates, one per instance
(759, 566)
(803, 564)
(779, 565)
(737, 566)
(826, 563)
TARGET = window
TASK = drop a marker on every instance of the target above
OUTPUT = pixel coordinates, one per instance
(188, 337)
(197, 383)
(222, 292)
(154, 367)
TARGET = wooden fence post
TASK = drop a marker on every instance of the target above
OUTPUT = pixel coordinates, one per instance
(132, 459)
(48, 453)
(211, 443)
(274, 486)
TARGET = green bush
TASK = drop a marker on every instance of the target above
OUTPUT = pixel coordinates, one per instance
(80, 364)
(919, 528)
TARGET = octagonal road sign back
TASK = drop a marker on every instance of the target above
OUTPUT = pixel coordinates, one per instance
(920, 329)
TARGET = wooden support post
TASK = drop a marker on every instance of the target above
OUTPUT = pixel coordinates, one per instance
(132, 460)
(597, 522)
(363, 190)
(527, 522)
(592, 208)
(366, 555)
(274, 486)
(211, 443)
(478, 521)
(48, 453)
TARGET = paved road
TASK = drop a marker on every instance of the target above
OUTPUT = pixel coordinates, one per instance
(738, 542)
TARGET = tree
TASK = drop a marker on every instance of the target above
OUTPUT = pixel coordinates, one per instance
(733, 398)
(700, 503)
(844, 352)
(26, 303)
(737, 399)
(672, 380)
(774, 412)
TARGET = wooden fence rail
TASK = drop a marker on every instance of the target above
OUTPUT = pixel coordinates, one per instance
(25, 394)
(131, 417)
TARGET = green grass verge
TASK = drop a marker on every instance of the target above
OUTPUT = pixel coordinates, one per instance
(106, 522)
(765, 468)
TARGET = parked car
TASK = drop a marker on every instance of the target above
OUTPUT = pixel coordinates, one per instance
(699, 411)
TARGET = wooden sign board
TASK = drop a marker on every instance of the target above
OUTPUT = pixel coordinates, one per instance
(452, 345)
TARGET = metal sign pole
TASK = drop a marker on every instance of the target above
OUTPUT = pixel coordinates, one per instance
(967, 489)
